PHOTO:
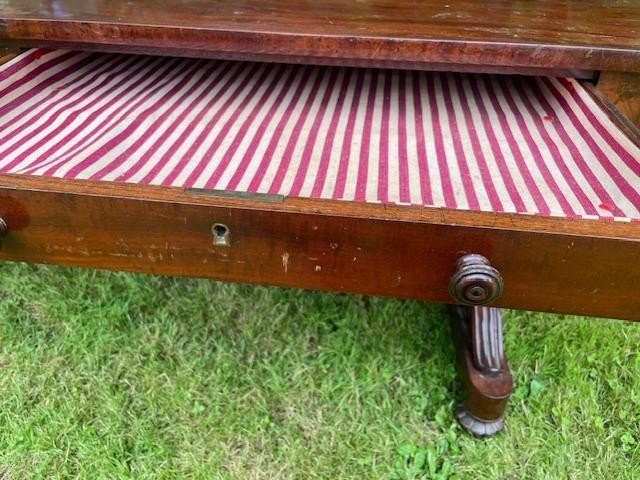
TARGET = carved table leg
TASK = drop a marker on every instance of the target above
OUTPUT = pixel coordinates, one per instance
(482, 366)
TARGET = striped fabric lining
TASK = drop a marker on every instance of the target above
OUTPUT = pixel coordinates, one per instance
(475, 142)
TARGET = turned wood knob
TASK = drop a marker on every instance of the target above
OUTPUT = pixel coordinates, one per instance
(475, 281)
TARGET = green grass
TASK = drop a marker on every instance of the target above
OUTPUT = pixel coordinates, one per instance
(108, 375)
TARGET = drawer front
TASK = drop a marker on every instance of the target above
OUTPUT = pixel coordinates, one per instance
(571, 273)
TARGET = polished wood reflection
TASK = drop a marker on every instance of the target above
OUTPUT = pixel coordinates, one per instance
(518, 34)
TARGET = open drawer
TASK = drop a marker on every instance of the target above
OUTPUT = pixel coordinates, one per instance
(356, 180)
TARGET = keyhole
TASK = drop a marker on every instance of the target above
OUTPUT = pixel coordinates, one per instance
(221, 235)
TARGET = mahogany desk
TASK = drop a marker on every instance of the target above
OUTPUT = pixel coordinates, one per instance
(514, 182)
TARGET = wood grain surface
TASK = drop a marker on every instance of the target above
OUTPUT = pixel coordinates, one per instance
(7, 54)
(623, 91)
(317, 245)
(532, 34)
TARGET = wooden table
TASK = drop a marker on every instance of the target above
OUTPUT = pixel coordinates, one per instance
(535, 262)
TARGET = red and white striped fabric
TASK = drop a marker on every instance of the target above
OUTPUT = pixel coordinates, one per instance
(491, 143)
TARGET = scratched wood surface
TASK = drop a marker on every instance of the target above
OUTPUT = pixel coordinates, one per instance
(536, 34)
(317, 245)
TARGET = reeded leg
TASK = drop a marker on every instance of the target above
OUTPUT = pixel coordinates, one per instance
(482, 367)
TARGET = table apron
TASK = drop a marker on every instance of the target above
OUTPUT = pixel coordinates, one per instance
(543, 271)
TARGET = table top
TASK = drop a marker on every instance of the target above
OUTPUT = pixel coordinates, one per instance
(519, 34)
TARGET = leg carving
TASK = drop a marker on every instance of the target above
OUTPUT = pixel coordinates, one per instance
(483, 368)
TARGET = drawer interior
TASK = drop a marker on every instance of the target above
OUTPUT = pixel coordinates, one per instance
(528, 145)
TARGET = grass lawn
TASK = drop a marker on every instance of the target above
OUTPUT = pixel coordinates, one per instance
(109, 375)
